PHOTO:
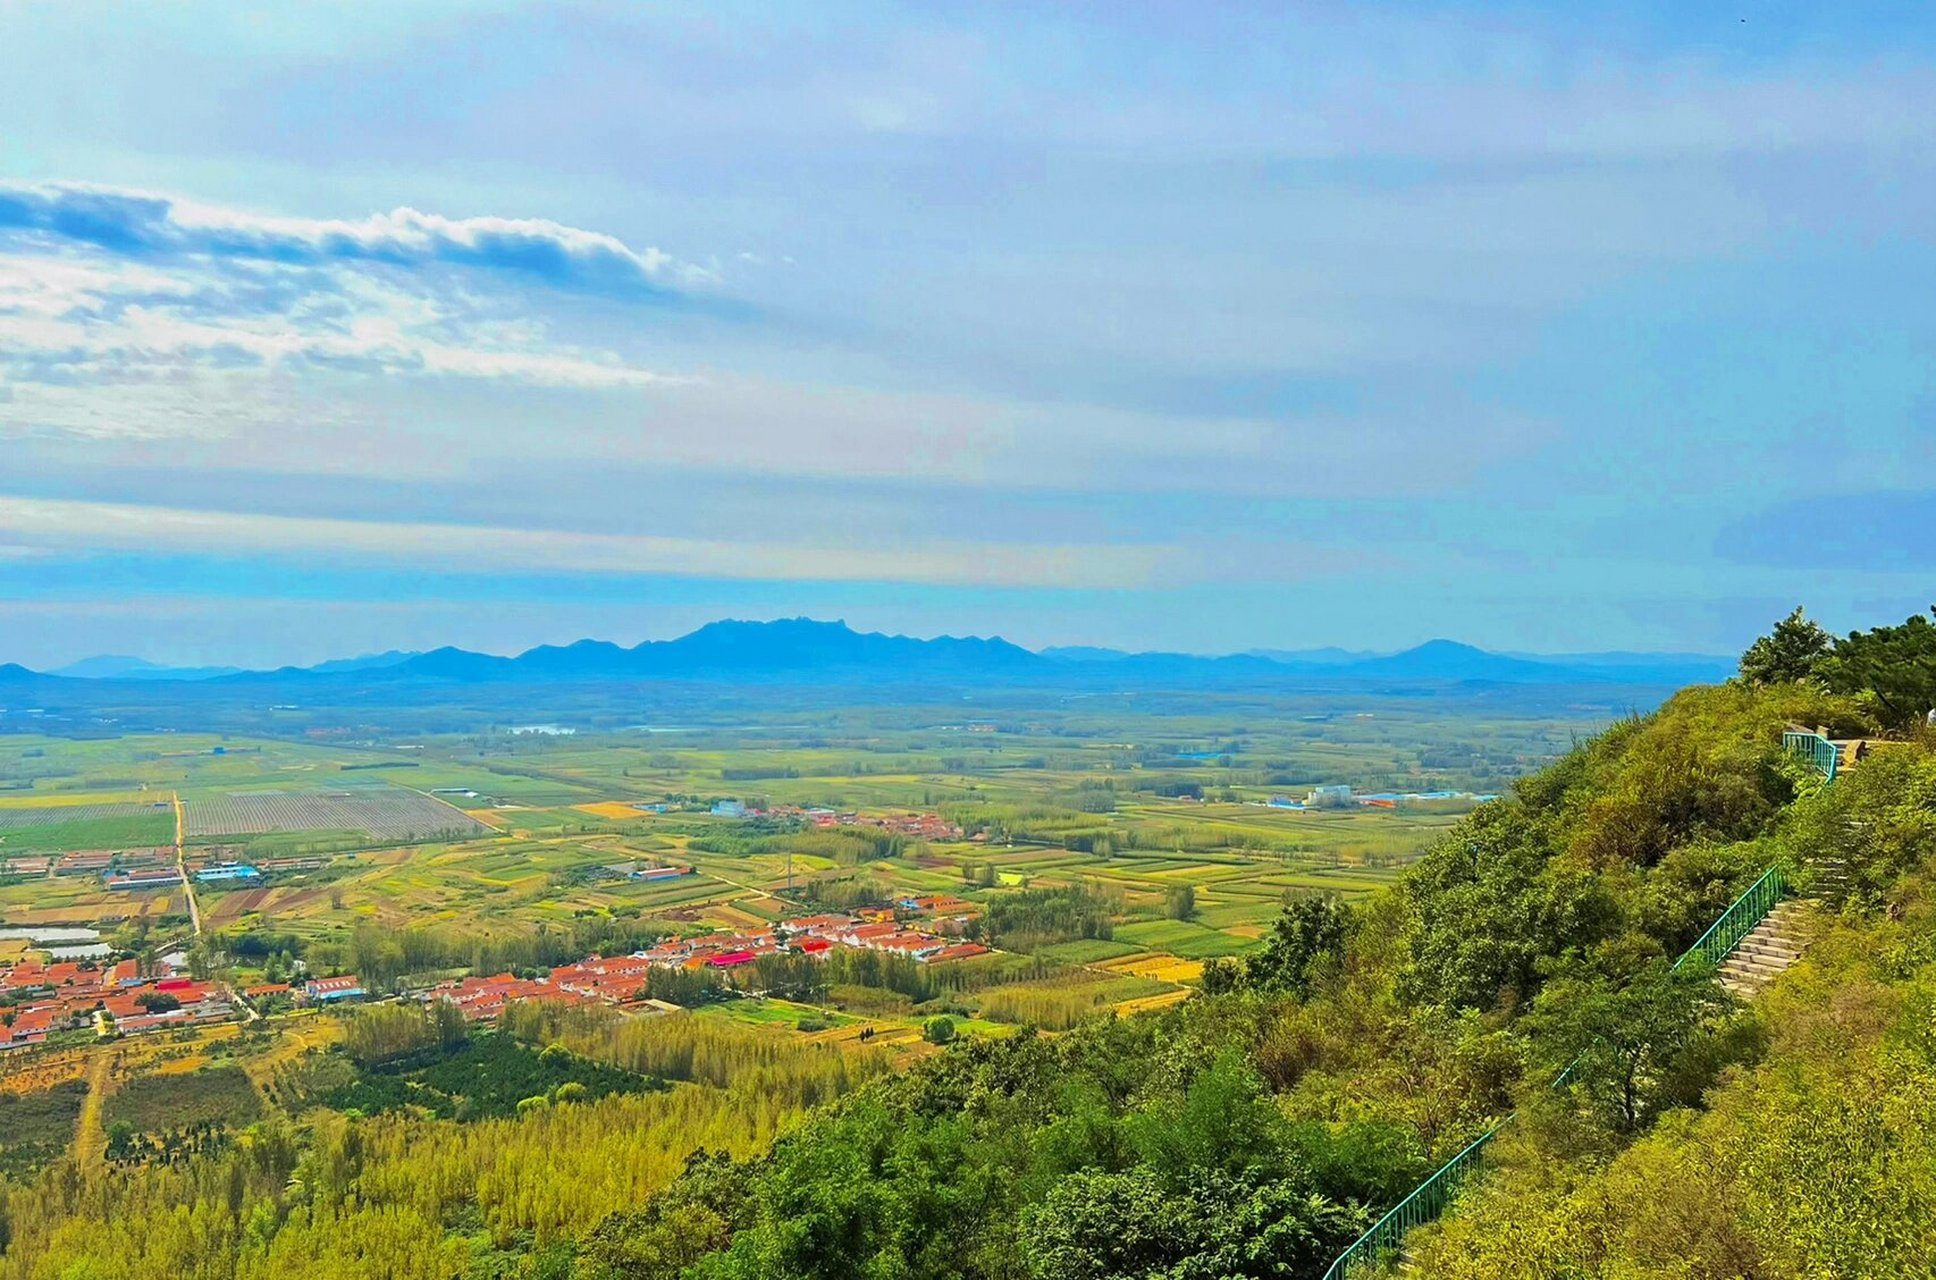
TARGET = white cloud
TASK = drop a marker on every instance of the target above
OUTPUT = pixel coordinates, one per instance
(131, 222)
(205, 340)
(64, 525)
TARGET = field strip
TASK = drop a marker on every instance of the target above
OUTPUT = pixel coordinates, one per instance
(90, 1135)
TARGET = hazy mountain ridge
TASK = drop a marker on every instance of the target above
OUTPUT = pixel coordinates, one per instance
(809, 649)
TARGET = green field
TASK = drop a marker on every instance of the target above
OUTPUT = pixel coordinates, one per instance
(145, 831)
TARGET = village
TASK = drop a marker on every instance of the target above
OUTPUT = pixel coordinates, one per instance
(42, 997)
(623, 980)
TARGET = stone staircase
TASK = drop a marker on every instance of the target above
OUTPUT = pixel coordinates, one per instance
(1769, 948)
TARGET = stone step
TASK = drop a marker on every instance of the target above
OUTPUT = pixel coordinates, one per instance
(1753, 967)
(1768, 953)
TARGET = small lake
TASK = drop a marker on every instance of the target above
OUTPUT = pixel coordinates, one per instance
(54, 936)
(99, 951)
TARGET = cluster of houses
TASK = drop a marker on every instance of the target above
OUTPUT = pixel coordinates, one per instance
(135, 878)
(594, 980)
(875, 929)
(921, 826)
(218, 873)
(117, 998)
(622, 980)
(1343, 797)
(93, 862)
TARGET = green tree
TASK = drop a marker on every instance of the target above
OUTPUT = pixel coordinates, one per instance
(1890, 670)
(1629, 1047)
(1788, 653)
(1180, 901)
(1221, 975)
(939, 1029)
(1305, 945)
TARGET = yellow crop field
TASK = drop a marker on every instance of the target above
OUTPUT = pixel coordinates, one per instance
(1164, 968)
(1161, 1000)
(71, 799)
(613, 810)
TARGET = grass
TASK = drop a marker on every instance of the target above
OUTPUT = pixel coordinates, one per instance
(134, 831)
(1184, 938)
(1089, 950)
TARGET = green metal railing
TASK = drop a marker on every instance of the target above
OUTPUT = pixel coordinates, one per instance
(1739, 920)
(1430, 1197)
(1425, 1203)
(1815, 749)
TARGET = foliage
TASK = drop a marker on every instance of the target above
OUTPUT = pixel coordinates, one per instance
(1305, 946)
(160, 1104)
(1028, 919)
(1788, 654)
(36, 1126)
(1631, 1047)
(929, 1175)
(379, 1034)
(486, 1077)
(1820, 1161)
(1890, 671)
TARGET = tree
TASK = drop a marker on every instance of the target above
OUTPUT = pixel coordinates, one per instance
(1180, 901)
(1626, 1047)
(1305, 945)
(1788, 653)
(1892, 670)
(158, 1001)
(1221, 975)
(939, 1029)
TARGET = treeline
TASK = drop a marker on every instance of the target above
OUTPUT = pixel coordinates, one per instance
(410, 1198)
(845, 846)
(382, 957)
(1029, 919)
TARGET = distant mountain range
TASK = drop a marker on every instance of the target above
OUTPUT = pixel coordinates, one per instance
(110, 667)
(804, 649)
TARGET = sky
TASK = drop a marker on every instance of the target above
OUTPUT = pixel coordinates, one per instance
(330, 328)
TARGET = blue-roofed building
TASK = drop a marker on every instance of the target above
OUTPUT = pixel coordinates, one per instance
(233, 872)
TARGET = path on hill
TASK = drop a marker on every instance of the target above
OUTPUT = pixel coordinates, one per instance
(181, 864)
(90, 1135)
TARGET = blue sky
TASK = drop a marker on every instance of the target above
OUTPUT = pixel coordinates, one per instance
(1204, 326)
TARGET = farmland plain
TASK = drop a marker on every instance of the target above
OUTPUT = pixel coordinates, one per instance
(1176, 822)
